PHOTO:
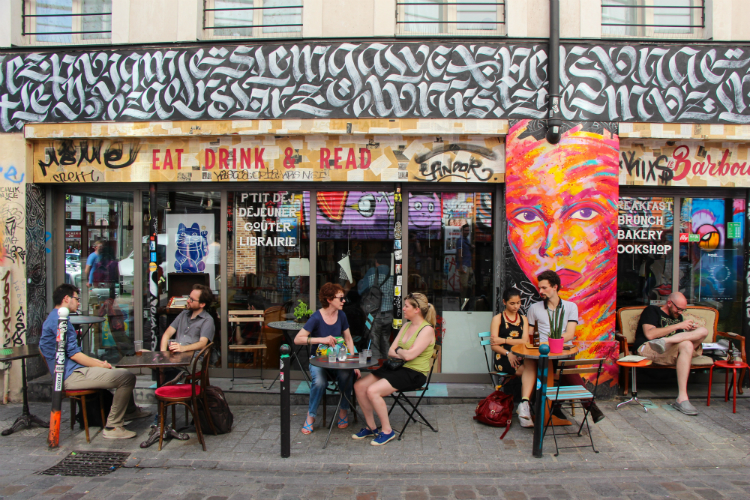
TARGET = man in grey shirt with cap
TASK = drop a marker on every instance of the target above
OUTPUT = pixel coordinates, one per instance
(194, 329)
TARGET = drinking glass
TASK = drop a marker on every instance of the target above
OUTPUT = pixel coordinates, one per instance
(368, 353)
(138, 346)
(342, 354)
(362, 356)
(331, 354)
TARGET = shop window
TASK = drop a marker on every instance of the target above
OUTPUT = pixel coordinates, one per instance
(252, 18)
(645, 250)
(268, 266)
(188, 249)
(67, 21)
(451, 261)
(354, 238)
(712, 232)
(653, 18)
(99, 261)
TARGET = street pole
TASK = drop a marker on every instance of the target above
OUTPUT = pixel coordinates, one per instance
(53, 439)
(286, 435)
(541, 403)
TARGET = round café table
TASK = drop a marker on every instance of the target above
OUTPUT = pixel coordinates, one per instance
(569, 351)
(633, 365)
(351, 363)
(79, 322)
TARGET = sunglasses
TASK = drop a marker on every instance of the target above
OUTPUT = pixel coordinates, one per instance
(342, 299)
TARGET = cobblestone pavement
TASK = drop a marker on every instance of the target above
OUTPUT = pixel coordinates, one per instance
(662, 454)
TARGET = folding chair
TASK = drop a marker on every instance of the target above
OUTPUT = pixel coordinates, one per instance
(574, 395)
(237, 318)
(400, 396)
(501, 377)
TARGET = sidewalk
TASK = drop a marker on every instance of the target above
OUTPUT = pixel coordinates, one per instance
(658, 454)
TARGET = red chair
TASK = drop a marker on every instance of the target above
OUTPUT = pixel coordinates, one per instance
(737, 365)
(188, 395)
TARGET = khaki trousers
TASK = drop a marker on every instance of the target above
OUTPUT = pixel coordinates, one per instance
(104, 378)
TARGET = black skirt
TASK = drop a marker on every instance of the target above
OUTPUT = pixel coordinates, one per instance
(403, 379)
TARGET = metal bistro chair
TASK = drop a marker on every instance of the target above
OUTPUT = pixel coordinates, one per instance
(400, 396)
(497, 379)
(574, 395)
(239, 317)
(188, 395)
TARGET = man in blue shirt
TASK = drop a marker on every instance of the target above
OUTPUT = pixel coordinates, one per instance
(83, 372)
(380, 275)
(93, 262)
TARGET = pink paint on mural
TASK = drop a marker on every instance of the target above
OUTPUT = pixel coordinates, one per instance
(561, 203)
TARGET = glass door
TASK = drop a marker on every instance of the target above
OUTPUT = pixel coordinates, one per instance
(99, 260)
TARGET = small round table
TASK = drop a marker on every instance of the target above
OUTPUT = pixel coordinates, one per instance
(737, 365)
(634, 390)
(286, 327)
(350, 364)
(88, 321)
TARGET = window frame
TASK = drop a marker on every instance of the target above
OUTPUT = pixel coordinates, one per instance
(644, 12)
(30, 35)
(257, 27)
(449, 19)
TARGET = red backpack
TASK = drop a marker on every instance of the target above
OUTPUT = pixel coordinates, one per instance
(496, 410)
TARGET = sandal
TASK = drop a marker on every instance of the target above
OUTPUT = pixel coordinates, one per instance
(308, 427)
(343, 423)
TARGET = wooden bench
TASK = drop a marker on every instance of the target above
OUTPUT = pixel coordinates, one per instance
(708, 317)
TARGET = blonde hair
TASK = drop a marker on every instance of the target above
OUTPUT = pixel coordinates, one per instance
(419, 300)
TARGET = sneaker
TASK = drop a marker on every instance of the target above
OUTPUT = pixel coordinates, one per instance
(596, 414)
(118, 433)
(137, 413)
(524, 414)
(658, 346)
(685, 407)
(383, 438)
(153, 437)
(365, 432)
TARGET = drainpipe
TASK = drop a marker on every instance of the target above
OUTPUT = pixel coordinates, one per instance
(553, 64)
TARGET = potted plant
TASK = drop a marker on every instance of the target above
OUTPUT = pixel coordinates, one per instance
(556, 326)
(302, 313)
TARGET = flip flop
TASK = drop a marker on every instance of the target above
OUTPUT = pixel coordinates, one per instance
(343, 423)
(308, 427)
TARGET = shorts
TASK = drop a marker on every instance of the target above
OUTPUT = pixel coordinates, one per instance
(403, 379)
(668, 357)
(502, 364)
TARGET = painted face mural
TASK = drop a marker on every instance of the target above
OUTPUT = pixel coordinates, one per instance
(562, 215)
(425, 215)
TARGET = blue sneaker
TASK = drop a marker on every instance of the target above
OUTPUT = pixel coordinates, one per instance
(365, 432)
(383, 438)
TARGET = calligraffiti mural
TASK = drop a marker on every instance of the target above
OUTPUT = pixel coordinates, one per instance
(268, 158)
(644, 83)
(561, 205)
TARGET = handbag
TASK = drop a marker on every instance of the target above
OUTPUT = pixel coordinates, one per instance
(496, 410)
(373, 297)
(393, 363)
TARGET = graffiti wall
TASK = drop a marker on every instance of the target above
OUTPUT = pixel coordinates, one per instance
(639, 83)
(13, 255)
(652, 162)
(561, 205)
(268, 158)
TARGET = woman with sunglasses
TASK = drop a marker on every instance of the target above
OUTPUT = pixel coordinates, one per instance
(322, 328)
(414, 345)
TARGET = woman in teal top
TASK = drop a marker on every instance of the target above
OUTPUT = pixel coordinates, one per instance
(414, 344)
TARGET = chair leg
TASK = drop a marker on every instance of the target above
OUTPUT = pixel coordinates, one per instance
(101, 410)
(197, 420)
(72, 414)
(174, 417)
(85, 418)
(162, 409)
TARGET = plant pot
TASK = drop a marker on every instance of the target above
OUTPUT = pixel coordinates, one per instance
(556, 346)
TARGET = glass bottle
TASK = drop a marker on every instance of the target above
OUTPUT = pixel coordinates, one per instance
(536, 339)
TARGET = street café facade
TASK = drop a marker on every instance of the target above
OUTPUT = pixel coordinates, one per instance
(266, 212)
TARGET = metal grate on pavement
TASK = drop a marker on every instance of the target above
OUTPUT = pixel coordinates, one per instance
(88, 464)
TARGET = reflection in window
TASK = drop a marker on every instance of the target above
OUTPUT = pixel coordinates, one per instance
(268, 266)
(644, 250)
(651, 17)
(355, 246)
(711, 261)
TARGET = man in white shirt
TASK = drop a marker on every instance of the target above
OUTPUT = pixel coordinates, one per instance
(539, 320)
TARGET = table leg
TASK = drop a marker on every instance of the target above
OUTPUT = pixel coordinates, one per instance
(634, 394)
(734, 388)
(540, 410)
(26, 418)
(333, 417)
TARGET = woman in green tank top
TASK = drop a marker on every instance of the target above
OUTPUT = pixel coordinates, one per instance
(414, 344)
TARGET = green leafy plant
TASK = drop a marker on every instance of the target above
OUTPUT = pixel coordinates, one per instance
(556, 321)
(302, 312)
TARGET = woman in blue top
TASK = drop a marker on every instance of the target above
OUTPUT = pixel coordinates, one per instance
(323, 327)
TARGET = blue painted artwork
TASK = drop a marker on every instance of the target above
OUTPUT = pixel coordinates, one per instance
(192, 249)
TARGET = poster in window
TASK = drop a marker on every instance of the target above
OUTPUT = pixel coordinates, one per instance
(190, 239)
